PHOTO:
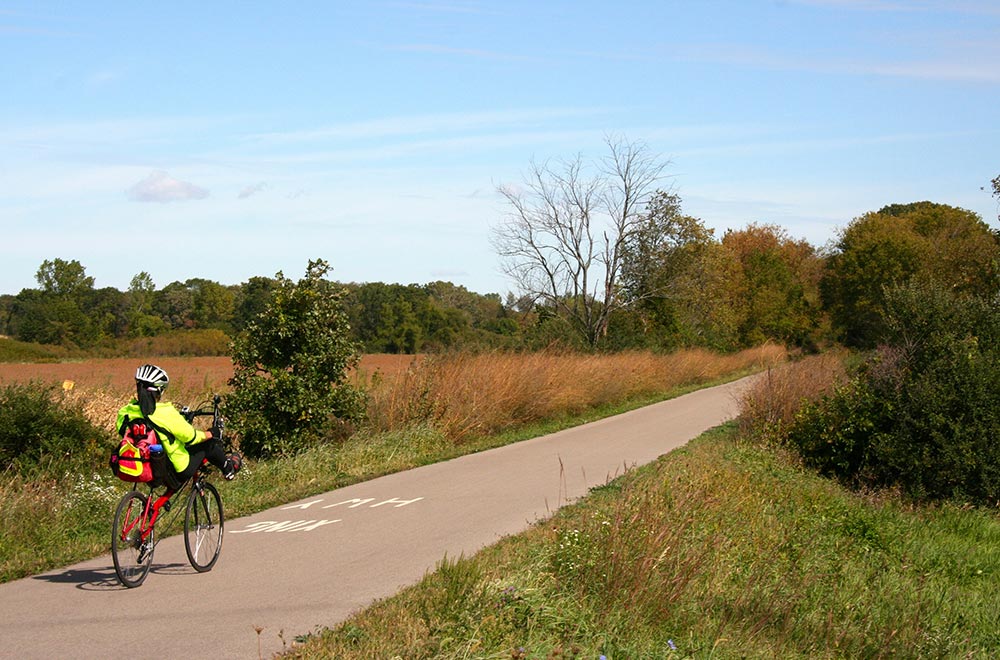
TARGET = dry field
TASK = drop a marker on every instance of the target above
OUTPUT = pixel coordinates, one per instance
(101, 386)
(190, 374)
(462, 395)
(466, 395)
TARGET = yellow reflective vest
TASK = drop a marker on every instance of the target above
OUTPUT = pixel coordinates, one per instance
(174, 432)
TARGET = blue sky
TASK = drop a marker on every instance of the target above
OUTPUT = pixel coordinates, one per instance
(231, 139)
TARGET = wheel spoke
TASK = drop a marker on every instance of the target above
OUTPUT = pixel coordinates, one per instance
(132, 557)
(203, 527)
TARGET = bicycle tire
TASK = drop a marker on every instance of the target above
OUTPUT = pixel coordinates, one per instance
(132, 557)
(203, 526)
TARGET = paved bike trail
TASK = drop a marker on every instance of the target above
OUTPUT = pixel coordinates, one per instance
(308, 564)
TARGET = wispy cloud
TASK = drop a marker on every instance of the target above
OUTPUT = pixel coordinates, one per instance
(987, 7)
(161, 187)
(818, 144)
(251, 190)
(477, 53)
(37, 24)
(971, 68)
(451, 123)
(102, 78)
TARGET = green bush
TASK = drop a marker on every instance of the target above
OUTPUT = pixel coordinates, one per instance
(39, 430)
(923, 414)
(834, 435)
(290, 369)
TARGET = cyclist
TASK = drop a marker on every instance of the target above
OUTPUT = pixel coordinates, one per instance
(184, 445)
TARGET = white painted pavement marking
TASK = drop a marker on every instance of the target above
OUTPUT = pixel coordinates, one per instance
(271, 526)
(283, 526)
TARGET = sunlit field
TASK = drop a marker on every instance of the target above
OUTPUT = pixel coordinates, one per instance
(187, 374)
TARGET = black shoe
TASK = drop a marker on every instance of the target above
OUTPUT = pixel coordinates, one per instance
(233, 464)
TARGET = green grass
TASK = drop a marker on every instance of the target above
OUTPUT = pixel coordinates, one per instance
(719, 549)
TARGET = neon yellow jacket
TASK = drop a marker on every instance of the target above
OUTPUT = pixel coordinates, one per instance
(175, 432)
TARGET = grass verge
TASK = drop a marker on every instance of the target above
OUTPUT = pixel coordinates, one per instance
(720, 549)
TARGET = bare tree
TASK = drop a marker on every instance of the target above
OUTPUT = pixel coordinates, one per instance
(564, 240)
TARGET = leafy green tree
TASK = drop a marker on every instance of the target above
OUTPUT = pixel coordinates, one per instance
(384, 317)
(141, 321)
(213, 304)
(926, 241)
(479, 310)
(253, 298)
(664, 274)
(6, 313)
(707, 302)
(57, 312)
(63, 278)
(107, 309)
(393, 318)
(291, 363)
(174, 303)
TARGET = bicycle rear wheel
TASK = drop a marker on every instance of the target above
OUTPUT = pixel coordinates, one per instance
(132, 557)
(203, 522)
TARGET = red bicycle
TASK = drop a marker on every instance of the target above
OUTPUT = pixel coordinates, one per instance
(133, 532)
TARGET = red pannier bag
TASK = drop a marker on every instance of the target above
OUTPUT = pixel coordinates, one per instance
(138, 455)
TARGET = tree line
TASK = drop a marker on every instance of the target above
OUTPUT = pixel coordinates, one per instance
(602, 258)
(751, 285)
(66, 309)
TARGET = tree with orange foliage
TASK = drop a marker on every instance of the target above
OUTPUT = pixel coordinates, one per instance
(776, 285)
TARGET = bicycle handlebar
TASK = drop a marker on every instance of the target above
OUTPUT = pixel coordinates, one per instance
(217, 420)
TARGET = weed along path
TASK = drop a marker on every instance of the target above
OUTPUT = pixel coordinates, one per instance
(307, 564)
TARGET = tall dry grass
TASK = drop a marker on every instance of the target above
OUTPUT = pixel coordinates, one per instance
(461, 394)
(770, 405)
(466, 395)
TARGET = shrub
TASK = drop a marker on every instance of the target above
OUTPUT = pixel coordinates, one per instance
(290, 368)
(38, 427)
(835, 434)
(923, 413)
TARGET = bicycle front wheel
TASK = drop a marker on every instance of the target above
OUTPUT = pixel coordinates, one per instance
(203, 520)
(131, 555)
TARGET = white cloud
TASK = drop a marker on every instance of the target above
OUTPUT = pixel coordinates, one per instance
(161, 187)
(252, 189)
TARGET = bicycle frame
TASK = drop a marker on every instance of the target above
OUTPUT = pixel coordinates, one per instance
(151, 512)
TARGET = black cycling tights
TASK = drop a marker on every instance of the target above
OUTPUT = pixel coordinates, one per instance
(210, 449)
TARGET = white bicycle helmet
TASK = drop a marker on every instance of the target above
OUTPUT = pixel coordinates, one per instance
(151, 377)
